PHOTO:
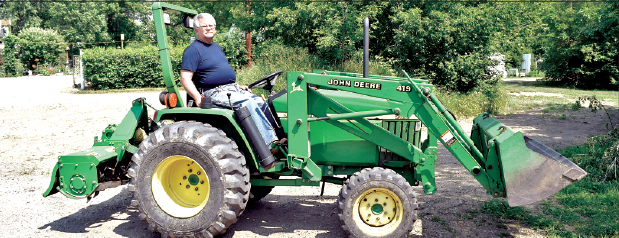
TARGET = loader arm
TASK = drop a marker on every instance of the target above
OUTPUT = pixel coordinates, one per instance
(498, 159)
(404, 96)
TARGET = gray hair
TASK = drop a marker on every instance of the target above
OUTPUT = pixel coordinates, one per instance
(202, 16)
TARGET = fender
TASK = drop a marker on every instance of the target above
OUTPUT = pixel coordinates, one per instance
(217, 117)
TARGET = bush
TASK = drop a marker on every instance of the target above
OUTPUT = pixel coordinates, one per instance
(465, 105)
(48, 70)
(433, 45)
(129, 68)
(40, 47)
(270, 57)
(11, 67)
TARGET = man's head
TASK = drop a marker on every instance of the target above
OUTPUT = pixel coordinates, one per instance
(204, 25)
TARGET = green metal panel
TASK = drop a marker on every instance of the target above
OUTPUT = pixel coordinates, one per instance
(297, 116)
(283, 182)
(353, 101)
(77, 172)
(224, 117)
(333, 146)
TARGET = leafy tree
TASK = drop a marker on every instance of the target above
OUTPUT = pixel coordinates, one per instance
(79, 22)
(334, 31)
(128, 18)
(520, 28)
(233, 44)
(584, 41)
(24, 14)
(40, 47)
(449, 46)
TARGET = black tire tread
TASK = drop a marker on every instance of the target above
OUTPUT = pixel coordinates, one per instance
(230, 160)
(375, 174)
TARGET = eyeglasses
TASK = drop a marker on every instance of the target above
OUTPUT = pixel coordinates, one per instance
(207, 26)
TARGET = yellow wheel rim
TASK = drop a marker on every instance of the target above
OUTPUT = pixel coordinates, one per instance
(378, 211)
(180, 186)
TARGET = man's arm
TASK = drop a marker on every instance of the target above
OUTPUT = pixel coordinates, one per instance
(191, 89)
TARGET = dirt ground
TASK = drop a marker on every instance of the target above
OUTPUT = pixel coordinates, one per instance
(42, 118)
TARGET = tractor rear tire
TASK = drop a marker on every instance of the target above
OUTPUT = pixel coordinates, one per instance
(377, 202)
(189, 180)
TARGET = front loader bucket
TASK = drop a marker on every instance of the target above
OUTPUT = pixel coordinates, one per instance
(531, 171)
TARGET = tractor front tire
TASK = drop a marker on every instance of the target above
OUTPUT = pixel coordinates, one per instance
(377, 202)
(189, 179)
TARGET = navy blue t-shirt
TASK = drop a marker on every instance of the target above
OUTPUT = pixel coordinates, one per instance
(208, 63)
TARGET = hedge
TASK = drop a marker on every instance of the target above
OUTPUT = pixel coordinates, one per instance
(129, 68)
(113, 68)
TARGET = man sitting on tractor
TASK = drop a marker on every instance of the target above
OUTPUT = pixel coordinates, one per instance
(205, 72)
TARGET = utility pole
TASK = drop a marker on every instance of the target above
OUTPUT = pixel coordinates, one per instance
(248, 36)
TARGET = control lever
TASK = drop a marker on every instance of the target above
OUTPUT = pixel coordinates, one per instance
(230, 101)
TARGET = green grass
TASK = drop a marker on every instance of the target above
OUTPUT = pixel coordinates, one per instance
(547, 102)
(473, 104)
(589, 207)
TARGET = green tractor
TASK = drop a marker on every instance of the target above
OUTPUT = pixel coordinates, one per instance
(193, 170)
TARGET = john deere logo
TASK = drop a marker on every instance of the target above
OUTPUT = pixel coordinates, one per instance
(339, 82)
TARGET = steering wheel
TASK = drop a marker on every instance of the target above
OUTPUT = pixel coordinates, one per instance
(267, 82)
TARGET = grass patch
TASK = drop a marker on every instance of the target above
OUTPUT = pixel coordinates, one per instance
(472, 104)
(540, 96)
(443, 223)
(589, 207)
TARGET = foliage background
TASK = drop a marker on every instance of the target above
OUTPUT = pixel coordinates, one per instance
(446, 42)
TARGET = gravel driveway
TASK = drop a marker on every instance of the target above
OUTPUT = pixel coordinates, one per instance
(42, 118)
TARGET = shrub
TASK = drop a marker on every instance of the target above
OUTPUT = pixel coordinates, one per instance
(40, 47)
(129, 68)
(465, 105)
(270, 57)
(11, 66)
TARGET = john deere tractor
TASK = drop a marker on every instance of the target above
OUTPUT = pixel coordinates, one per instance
(193, 170)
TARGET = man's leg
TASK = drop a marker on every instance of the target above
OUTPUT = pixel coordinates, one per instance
(240, 99)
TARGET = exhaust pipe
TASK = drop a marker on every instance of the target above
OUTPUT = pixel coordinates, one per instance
(366, 47)
(253, 134)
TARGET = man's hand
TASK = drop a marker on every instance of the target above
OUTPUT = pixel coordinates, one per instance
(243, 87)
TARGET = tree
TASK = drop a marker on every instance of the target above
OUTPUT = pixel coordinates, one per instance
(450, 46)
(40, 47)
(584, 41)
(79, 22)
(24, 14)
